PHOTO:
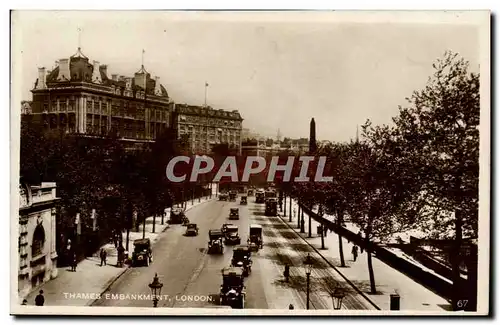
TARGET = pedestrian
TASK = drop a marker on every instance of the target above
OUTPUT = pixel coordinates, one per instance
(103, 256)
(120, 256)
(354, 252)
(360, 246)
(290, 306)
(39, 299)
(286, 273)
(25, 302)
(73, 264)
(325, 231)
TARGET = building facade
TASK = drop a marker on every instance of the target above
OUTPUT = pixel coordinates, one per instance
(79, 97)
(37, 236)
(206, 127)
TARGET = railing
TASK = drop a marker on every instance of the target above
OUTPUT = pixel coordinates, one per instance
(429, 280)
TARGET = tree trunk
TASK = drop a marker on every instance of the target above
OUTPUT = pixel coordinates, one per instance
(456, 260)
(373, 288)
(340, 216)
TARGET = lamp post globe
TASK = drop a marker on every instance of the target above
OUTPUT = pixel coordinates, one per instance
(155, 287)
(308, 264)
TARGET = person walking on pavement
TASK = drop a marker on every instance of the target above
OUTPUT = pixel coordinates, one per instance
(73, 263)
(103, 256)
(120, 256)
(291, 306)
(39, 299)
(354, 252)
(286, 273)
(25, 302)
(360, 246)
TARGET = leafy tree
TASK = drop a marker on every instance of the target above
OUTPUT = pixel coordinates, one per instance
(438, 139)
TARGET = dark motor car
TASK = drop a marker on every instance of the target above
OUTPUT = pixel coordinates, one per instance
(255, 237)
(242, 258)
(142, 254)
(215, 244)
(234, 214)
(231, 235)
(232, 290)
(177, 216)
(192, 230)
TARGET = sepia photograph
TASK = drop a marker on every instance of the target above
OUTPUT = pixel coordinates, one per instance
(323, 163)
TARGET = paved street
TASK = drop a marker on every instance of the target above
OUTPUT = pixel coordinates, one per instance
(192, 278)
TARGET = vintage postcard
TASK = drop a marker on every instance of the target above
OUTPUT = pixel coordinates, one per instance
(250, 163)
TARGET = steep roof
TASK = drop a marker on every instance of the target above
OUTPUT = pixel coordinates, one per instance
(81, 70)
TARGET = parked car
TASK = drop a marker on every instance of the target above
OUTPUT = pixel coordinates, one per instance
(192, 230)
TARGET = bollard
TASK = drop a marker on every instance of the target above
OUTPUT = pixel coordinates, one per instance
(395, 299)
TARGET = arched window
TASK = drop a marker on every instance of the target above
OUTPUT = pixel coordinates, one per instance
(38, 241)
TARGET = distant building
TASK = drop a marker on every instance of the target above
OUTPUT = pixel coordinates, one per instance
(207, 127)
(37, 236)
(78, 97)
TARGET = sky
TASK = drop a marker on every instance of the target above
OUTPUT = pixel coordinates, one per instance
(278, 70)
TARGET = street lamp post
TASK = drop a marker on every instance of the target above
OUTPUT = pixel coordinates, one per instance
(155, 287)
(320, 214)
(337, 296)
(308, 265)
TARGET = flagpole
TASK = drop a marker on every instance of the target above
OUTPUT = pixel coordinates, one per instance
(206, 86)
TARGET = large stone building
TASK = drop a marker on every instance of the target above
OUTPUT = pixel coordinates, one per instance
(207, 127)
(79, 97)
(37, 236)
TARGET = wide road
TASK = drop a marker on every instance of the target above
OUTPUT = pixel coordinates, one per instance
(192, 278)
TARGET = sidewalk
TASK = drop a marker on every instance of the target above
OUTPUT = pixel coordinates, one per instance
(90, 279)
(388, 280)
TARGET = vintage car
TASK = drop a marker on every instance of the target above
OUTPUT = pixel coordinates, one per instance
(232, 196)
(192, 230)
(259, 196)
(271, 207)
(234, 214)
(224, 227)
(223, 196)
(232, 290)
(177, 216)
(231, 234)
(243, 200)
(255, 237)
(242, 258)
(142, 254)
(215, 244)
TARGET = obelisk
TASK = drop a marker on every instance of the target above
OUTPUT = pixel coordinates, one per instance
(312, 137)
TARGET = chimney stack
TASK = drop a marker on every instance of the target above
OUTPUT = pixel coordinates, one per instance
(128, 83)
(114, 77)
(64, 73)
(104, 70)
(41, 79)
(157, 86)
(96, 74)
